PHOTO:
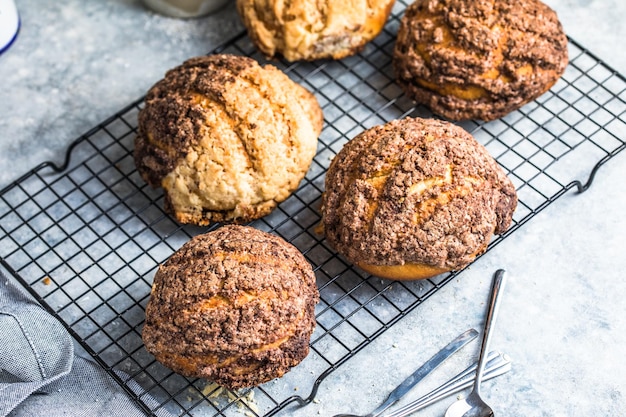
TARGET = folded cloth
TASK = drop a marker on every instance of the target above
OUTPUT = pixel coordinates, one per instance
(40, 374)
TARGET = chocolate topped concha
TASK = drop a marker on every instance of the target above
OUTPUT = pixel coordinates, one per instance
(235, 306)
(226, 138)
(310, 29)
(470, 59)
(415, 198)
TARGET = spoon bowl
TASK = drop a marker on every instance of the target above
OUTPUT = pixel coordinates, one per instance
(473, 405)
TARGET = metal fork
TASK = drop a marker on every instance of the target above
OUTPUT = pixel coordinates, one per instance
(497, 364)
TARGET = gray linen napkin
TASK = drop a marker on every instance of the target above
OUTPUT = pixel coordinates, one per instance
(40, 374)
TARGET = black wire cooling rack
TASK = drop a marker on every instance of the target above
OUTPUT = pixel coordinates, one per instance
(86, 238)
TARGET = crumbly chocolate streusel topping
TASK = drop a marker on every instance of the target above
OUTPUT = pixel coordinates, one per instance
(171, 121)
(478, 59)
(415, 191)
(235, 306)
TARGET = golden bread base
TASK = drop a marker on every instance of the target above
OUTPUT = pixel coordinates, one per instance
(406, 272)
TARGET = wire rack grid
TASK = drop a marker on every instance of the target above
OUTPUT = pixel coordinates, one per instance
(86, 238)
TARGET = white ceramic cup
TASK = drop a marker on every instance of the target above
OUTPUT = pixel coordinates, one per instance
(9, 23)
(185, 8)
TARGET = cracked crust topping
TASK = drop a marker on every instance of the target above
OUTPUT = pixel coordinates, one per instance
(312, 29)
(417, 193)
(226, 138)
(478, 59)
(235, 306)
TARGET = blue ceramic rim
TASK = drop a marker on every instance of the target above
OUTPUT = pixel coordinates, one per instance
(9, 43)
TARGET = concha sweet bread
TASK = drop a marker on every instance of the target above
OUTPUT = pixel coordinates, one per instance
(309, 29)
(470, 59)
(415, 198)
(226, 138)
(234, 306)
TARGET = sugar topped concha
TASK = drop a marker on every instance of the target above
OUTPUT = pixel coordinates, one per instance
(310, 29)
(235, 306)
(414, 198)
(470, 59)
(226, 138)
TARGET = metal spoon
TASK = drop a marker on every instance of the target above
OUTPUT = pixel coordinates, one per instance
(473, 405)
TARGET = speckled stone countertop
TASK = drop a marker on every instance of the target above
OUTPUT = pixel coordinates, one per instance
(563, 317)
